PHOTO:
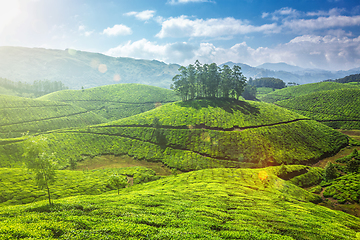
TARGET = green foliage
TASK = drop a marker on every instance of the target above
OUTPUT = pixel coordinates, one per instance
(40, 162)
(249, 92)
(115, 101)
(117, 181)
(297, 91)
(330, 172)
(206, 204)
(17, 184)
(335, 108)
(36, 89)
(345, 188)
(202, 134)
(269, 82)
(22, 115)
(198, 81)
(350, 78)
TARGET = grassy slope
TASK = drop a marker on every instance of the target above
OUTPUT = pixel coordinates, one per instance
(191, 136)
(19, 115)
(205, 204)
(336, 108)
(296, 91)
(17, 185)
(115, 101)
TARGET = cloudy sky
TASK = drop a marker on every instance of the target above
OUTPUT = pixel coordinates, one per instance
(307, 33)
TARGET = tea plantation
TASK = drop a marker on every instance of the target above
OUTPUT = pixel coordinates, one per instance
(300, 90)
(336, 108)
(22, 115)
(198, 134)
(206, 204)
(115, 101)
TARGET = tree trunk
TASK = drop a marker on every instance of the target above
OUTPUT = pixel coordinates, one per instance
(48, 190)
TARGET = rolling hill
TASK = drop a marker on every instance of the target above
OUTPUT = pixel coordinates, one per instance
(336, 108)
(22, 115)
(198, 134)
(206, 204)
(300, 90)
(117, 100)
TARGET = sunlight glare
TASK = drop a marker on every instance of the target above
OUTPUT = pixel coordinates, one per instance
(72, 52)
(9, 10)
(117, 77)
(263, 175)
(102, 68)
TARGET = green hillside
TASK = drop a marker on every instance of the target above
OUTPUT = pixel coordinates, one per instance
(17, 185)
(117, 100)
(206, 204)
(336, 108)
(21, 115)
(300, 90)
(197, 134)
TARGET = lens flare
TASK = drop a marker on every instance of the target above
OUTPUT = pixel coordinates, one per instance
(94, 63)
(117, 78)
(102, 68)
(205, 136)
(72, 52)
(263, 175)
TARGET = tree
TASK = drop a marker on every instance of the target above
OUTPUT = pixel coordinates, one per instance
(330, 171)
(117, 181)
(239, 81)
(249, 92)
(39, 161)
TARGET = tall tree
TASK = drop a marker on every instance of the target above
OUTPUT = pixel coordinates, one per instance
(226, 83)
(39, 161)
(239, 81)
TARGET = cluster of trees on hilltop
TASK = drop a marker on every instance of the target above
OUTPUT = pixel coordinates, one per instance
(37, 88)
(270, 82)
(350, 78)
(209, 80)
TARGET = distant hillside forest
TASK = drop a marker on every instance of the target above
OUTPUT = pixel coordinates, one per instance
(270, 82)
(208, 80)
(347, 79)
(36, 89)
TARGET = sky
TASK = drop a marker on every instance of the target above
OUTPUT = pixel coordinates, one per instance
(321, 34)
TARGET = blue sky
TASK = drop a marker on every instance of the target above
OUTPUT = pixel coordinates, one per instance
(307, 33)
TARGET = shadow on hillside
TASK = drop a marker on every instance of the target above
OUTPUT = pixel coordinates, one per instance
(229, 105)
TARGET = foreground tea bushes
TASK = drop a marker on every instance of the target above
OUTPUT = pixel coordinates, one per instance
(205, 204)
(17, 186)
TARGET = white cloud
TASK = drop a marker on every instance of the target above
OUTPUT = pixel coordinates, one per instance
(144, 15)
(323, 22)
(117, 29)
(173, 2)
(184, 27)
(326, 52)
(81, 28)
(331, 12)
(144, 49)
(88, 33)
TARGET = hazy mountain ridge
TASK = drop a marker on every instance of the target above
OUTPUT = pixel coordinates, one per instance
(297, 74)
(77, 69)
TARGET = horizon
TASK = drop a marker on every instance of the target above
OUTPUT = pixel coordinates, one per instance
(318, 35)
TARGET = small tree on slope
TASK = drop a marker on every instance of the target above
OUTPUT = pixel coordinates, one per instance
(40, 162)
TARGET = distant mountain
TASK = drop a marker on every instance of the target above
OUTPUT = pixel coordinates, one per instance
(294, 74)
(280, 67)
(78, 69)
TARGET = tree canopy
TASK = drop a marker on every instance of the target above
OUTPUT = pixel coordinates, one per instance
(267, 82)
(209, 80)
